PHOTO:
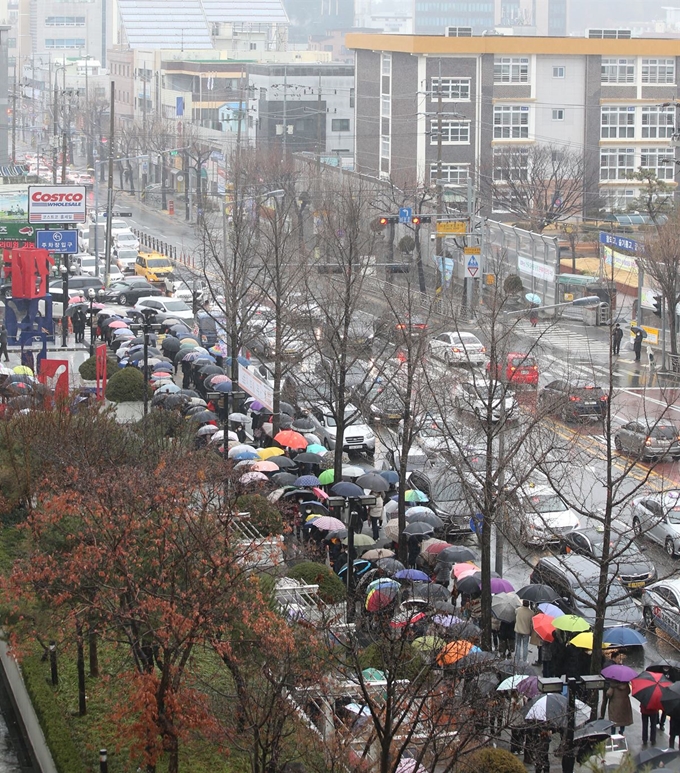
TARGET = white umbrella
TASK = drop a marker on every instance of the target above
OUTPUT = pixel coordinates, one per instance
(511, 682)
(207, 429)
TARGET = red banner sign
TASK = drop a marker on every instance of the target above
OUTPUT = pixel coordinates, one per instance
(101, 370)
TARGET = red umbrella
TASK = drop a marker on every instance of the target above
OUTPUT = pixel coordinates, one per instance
(435, 547)
(544, 627)
(647, 688)
(288, 438)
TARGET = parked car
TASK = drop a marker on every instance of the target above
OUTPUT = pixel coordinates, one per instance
(628, 562)
(543, 517)
(263, 343)
(648, 438)
(128, 291)
(458, 348)
(517, 368)
(573, 400)
(448, 497)
(358, 436)
(168, 306)
(475, 397)
(661, 607)
(657, 517)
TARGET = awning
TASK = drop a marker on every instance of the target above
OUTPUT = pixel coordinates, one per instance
(635, 219)
(13, 171)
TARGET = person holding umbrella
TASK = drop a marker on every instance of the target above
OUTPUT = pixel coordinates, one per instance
(620, 709)
(375, 513)
(637, 343)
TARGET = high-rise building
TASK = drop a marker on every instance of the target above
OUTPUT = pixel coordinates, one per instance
(432, 17)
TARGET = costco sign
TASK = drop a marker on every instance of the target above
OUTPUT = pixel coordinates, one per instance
(56, 203)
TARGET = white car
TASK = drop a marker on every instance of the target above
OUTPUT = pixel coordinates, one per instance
(173, 306)
(458, 349)
(473, 396)
(126, 240)
(126, 259)
(358, 436)
(118, 226)
(544, 515)
(87, 264)
(115, 274)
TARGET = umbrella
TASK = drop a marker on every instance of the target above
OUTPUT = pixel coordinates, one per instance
(418, 528)
(428, 643)
(529, 686)
(619, 672)
(307, 480)
(511, 682)
(346, 489)
(233, 452)
(637, 329)
(465, 631)
(302, 424)
(554, 708)
(328, 523)
(510, 666)
(624, 637)
(503, 606)
(572, 623)
(460, 571)
(305, 494)
(446, 621)
(537, 593)
(377, 600)
(252, 477)
(239, 417)
(413, 495)
(326, 477)
(409, 765)
(208, 429)
(216, 378)
(429, 591)
(242, 454)
(170, 344)
(647, 689)
(584, 641)
(543, 626)
(290, 439)
(224, 387)
(429, 518)
(313, 507)
(373, 675)
(267, 453)
(385, 584)
(389, 565)
(360, 567)
(550, 609)
(372, 481)
(412, 574)
(204, 416)
(457, 554)
(308, 458)
(470, 587)
(317, 448)
(533, 298)
(391, 476)
(283, 407)
(360, 540)
(670, 699)
(434, 547)
(117, 323)
(647, 757)
(377, 553)
(499, 585)
(283, 462)
(454, 651)
(265, 466)
(598, 727)
(167, 389)
(670, 670)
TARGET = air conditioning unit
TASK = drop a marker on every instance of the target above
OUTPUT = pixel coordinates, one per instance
(609, 34)
(458, 32)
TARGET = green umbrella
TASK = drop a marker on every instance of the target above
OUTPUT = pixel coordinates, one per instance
(571, 623)
(360, 540)
(428, 643)
(373, 675)
(413, 495)
(326, 477)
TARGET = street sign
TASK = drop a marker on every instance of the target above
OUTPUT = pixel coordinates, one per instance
(472, 250)
(619, 242)
(117, 214)
(56, 203)
(405, 214)
(255, 387)
(63, 242)
(471, 266)
(452, 227)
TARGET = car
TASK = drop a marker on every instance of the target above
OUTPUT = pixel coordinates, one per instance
(429, 434)
(380, 403)
(661, 607)
(358, 436)
(657, 517)
(263, 343)
(115, 274)
(125, 259)
(391, 326)
(87, 264)
(360, 333)
(128, 291)
(648, 438)
(211, 327)
(631, 567)
(153, 266)
(458, 348)
(575, 579)
(117, 226)
(449, 498)
(573, 400)
(126, 240)
(169, 306)
(543, 516)
(473, 397)
(517, 368)
(81, 283)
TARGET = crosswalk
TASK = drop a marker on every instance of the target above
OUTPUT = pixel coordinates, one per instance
(574, 346)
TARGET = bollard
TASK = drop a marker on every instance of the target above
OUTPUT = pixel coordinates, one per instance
(103, 761)
(53, 664)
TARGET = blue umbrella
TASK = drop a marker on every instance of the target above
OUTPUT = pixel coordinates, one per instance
(360, 567)
(412, 574)
(314, 507)
(307, 480)
(241, 361)
(391, 476)
(167, 389)
(533, 298)
(347, 489)
(245, 454)
(624, 637)
(224, 387)
(550, 609)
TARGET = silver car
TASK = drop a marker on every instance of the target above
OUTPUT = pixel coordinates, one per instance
(648, 439)
(657, 517)
(474, 398)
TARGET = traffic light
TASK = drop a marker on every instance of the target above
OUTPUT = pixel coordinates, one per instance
(658, 300)
(387, 219)
(421, 219)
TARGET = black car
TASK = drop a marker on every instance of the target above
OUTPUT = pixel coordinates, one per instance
(380, 403)
(448, 498)
(80, 283)
(129, 291)
(573, 400)
(396, 328)
(628, 563)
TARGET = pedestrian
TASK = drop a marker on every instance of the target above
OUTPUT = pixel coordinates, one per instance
(506, 639)
(649, 722)
(617, 337)
(541, 750)
(240, 433)
(533, 316)
(3, 343)
(375, 513)
(523, 617)
(413, 545)
(546, 658)
(637, 345)
(673, 730)
(186, 374)
(620, 710)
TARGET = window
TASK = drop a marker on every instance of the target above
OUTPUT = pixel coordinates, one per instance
(11, 42)
(385, 104)
(617, 123)
(618, 70)
(659, 160)
(386, 64)
(510, 122)
(340, 125)
(65, 21)
(351, 97)
(453, 89)
(658, 70)
(618, 199)
(616, 163)
(453, 132)
(558, 115)
(385, 146)
(510, 164)
(64, 42)
(455, 174)
(558, 72)
(511, 69)
(658, 122)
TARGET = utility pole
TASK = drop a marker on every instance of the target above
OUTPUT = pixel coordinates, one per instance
(440, 188)
(109, 197)
(285, 117)
(14, 116)
(55, 129)
(318, 134)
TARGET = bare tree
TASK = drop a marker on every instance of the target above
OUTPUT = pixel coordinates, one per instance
(655, 198)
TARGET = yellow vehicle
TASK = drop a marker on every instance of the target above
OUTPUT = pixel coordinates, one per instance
(153, 266)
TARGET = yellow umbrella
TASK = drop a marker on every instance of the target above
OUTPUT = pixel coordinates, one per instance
(585, 641)
(23, 370)
(267, 453)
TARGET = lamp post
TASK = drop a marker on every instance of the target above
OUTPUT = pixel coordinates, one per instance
(64, 268)
(91, 294)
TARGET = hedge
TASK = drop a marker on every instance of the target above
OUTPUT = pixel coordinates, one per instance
(126, 386)
(64, 751)
(490, 760)
(331, 588)
(264, 516)
(88, 369)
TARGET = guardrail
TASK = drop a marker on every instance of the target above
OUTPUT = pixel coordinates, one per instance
(171, 252)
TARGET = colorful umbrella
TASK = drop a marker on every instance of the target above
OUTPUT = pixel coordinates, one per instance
(529, 686)
(647, 689)
(511, 682)
(288, 438)
(462, 570)
(619, 672)
(328, 523)
(550, 609)
(584, 641)
(267, 453)
(307, 481)
(412, 574)
(446, 621)
(434, 546)
(413, 495)
(265, 466)
(317, 448)
(543, 625)
(454, 651)
(377, 600)
(499, 585)
(428, 643)
(360, 541)
(572, 623)
(373, 675)
(385, 584)
(624, 637)
(327, 477)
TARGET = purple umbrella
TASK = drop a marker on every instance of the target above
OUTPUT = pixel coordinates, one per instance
(619, 673)
(529, 687)
(412, 574)
(256, 406)
(550, 609)
(499, 585)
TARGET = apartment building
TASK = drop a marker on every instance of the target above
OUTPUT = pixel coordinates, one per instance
(612, 101)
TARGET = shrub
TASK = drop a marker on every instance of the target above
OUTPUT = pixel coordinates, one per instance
(126, 386)
(88, 369)
(399, 658)
(406, 244)
(513, 285)
(264, 516)
(64, 751)
(491, 760)
(331, 589)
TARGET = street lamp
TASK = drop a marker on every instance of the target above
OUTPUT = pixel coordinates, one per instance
(91, 294)
(64, 268)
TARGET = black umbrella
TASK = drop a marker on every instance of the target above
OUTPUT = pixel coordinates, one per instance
(171, 344)
(174, 400)
(469, 586)
(456, 554)
(445, 608)
(430, 591)
(303, 425)
(415, 528)
(339, 534)
(464, 631)
(670, 699)
(283, 462)
(211, 370)
(538, 593)
(598, 727)
(373, 482)
(347, 489)
(474, 659)
(303, 493)
(192, 408)
(314, 507)
(285, 422)
(188, 393)
(649, 757)
(287, 408)
(671, 670)
(284, 478)
(307, 458)
(204, 417)
(510, 667)
(389, 565)
(201, 362)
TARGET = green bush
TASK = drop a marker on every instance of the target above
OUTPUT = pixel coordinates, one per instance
(331, 588)
(491, 760)
(126, 386)
(513, 285)
(264, 516)
(64, 752)
(406, 244)
(398, 657)
(88, 369)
